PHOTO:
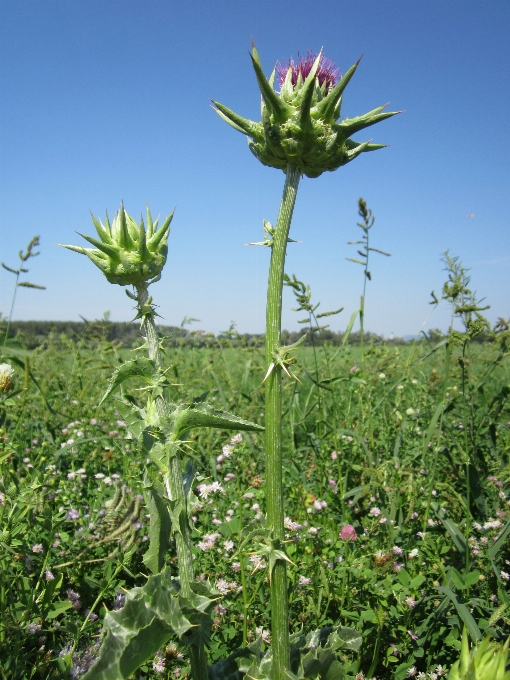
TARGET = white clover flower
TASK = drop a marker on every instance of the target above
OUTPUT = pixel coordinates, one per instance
(6, 373)
(222, 586)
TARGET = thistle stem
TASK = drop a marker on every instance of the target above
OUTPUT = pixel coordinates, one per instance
(275, 510)
(175, 491)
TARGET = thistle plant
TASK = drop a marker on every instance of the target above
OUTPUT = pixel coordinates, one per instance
(128, 253)
(300, 133)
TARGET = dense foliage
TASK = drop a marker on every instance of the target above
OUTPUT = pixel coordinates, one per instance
(397, 476)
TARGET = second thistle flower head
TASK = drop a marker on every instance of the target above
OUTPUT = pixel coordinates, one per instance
(300, 124)
(127, 252)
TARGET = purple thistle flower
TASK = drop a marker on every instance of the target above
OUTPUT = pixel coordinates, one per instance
(326, 73)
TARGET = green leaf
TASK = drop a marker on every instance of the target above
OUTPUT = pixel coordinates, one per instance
(59, 608)
(416, 581)
(150, 615)
(160, 525)
(471, 578)
(203, 415)
(456, 535)
(463, 612)
(497, 545)
(140, 368)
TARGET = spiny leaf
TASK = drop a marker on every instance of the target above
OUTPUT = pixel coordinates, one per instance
(160, 525)
(136, 632)
(203, 415)
(141, 368)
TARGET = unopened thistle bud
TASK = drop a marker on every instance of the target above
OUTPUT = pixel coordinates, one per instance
(128, 253)
(6, 373)
(300, 124)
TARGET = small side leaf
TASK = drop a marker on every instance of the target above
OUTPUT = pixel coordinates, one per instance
(203, 415)
(139, 368)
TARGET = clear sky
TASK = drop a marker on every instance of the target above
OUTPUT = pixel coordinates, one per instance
(104, 101)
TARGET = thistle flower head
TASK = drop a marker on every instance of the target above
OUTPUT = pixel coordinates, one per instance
(128, 253)
(326, 72)
(300, 124)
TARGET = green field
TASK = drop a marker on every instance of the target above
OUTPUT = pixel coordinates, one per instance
(409, 451)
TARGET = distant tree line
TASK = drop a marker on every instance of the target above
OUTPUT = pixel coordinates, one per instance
(32, 334)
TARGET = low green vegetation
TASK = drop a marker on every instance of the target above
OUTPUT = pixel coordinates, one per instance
(396, 477)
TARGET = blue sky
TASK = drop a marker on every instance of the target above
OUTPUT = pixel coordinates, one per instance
(109, 101)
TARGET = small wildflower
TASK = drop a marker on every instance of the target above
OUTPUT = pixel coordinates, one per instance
(33, 628)
(6, 373)
(158, 665)
(304, 581)
(505, 576)
(290, 525)
(72, 514)
(411, 672)
(37, 548)
(348, 533)
(375, 512)
(264, 634)
(396, 550)
(410, 602)
(236, 439)
(222, 586)
(413, 553)
(48, 575)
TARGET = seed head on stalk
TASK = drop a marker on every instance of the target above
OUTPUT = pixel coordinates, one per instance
(300, 124)
(128, 253)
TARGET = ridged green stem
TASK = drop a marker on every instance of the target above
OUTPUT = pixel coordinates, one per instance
(175, 490)
(274, 498)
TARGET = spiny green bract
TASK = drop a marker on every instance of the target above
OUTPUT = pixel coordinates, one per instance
(128, 253)
(300, 125)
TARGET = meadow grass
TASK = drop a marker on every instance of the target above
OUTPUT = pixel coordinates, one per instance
(396, 480)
